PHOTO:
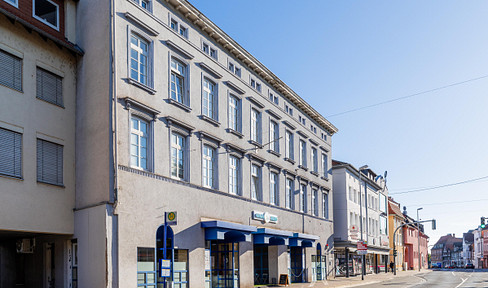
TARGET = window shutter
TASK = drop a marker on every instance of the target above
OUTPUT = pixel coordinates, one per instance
(49, 87)
(10, 71)
(10, 153)
(49, 162)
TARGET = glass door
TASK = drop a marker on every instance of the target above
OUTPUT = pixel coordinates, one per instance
(261, 265)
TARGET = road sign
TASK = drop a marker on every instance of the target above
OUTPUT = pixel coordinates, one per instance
(165, 268)
(171, 218)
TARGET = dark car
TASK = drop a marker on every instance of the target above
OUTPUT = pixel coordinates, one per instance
(469, 266)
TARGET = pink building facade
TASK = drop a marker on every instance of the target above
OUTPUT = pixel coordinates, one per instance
(413, 256)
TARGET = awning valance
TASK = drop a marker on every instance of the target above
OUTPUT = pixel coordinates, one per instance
(227, 231)
(271, 236)
(303, 240)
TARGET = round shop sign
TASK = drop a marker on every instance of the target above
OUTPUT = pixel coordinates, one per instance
(267, 217)
(171, 216)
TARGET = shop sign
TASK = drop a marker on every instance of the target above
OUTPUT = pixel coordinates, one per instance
(207, 259)
(170, 218)
(353, 230)
(362, 248)
(264, 217)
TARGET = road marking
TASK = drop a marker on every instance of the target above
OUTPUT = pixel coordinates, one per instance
(463, 280)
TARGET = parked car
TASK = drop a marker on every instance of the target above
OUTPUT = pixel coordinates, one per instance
(452, 266)
(469, 266)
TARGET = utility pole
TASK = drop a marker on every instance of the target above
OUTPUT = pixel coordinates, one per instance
(418, 237)
(363, 268)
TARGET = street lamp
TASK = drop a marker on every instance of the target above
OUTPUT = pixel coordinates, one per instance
(361, 218)
(418, 236)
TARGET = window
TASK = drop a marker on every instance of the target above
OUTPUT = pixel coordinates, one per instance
(209, 50)
(234, 113)
(146, 268)
(183, 31)
(234, 175)
(289, 193)
(178, 76)
(234, 69)
(258, 87)
(139, 143)
(325, 166)
(178, 28)
(139, 54)
(255, 182)
(351, 197)
(303, 198)
(74, 265)
(303, 153)
(180, 268)
(49, 162)
(178, 147)
(315, 202)
(174, 25)
(255, 85)
(274, 136)
(49, 87)
(208, 166)
(289, 110)
(315, 163)
(209, 106)
(255, 126)
(289, 145)
(10, 71)
(47, 12)
(10, 153)
(146, 4)
(273, 98)
(14, 3)
(273, 188)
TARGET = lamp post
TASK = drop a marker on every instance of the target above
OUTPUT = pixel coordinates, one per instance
(418, 236)
(363, 268)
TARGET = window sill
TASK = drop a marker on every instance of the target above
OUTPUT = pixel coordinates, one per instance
(314, 173)
(257, 144)
(303, 167)
(142, 86)
(210, 120)
(290, 160)
(179, 105)
(12, 177)
(49, 183)
(324, 178)
(277, 154)
(237, 133)
(52, 103)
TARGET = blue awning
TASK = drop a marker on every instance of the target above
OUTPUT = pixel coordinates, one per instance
(271, 236)
(303, 240)
(227, 231)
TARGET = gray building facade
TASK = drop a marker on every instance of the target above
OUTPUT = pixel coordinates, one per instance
(175, 116)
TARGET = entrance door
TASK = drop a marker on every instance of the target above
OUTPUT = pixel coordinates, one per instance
(49, 265)
(296, 259)
(261, 265)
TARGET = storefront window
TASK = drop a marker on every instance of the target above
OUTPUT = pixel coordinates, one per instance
(224, 263)
(146, 272)
(180, 268)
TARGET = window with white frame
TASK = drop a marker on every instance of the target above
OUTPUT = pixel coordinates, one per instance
(14, 3)
(139, 56)
(234, 113)
(274, 136)
(315, 202)
(325, 205)
(10, 71)
(178, 79)
(139, 136)
(289, 145)
(49, 87)
(178, 149)
(256, 182)
(255, 84)
(49, 162)
(209, 103)
(273, 98)
(303, 153)
(178, 28)
(351, 197)
(255, 125)
(315, 163)
(290, 188)
(325, 166)
(289, 110)
(10, 153)
(273, 188)
(234, 69)
(146, 4)
(209, 50)
(47, 12)
(208, 166)
(234, 174)
(303, 198)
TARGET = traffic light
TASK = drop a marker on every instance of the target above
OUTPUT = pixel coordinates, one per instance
(395, 253)
(434, 224)
(483, 225)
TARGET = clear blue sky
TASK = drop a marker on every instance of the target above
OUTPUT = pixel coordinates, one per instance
(340, 55)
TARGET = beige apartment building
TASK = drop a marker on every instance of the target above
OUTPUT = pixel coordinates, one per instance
(38, 61)
(174, 116)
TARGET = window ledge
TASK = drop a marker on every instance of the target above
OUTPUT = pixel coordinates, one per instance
(290, 160)
(49, 183)
(314, 173)
(208, 119)
(12, 177)
(237, 133)
(303, 167)
(255, 143)
(142, 86)
(277, 154)
(50, 102)
(324, 178)
(179, 105)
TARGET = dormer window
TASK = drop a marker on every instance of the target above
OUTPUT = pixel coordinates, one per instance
(47, 12)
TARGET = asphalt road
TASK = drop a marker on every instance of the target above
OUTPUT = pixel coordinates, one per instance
(459, 278)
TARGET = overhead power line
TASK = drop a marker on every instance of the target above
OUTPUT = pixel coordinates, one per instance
(447, 203)
(440, 186)
(405, 97)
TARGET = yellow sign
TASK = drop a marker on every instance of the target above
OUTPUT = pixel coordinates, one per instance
(171, 218)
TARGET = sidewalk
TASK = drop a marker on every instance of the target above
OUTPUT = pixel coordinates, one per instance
(356, 280)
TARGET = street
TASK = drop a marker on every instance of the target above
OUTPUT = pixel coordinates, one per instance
(440, 278)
